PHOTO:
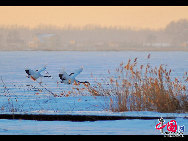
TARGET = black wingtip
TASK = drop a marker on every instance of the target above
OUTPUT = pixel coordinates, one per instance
(60, 75)
(47, 76)
(27, 71)
(71, 74)
(84, 82)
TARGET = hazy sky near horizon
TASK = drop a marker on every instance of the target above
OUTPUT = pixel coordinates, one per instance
(153, 17)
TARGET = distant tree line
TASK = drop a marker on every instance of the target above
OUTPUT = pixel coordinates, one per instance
(92, 37)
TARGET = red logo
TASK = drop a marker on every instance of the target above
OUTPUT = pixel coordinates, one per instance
(172, 127)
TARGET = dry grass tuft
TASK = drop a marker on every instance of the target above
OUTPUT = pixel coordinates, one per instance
(141, 88)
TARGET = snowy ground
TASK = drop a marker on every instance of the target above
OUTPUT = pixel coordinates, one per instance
(23, 95)
(113, 127)
(66, 127)
(83, 105)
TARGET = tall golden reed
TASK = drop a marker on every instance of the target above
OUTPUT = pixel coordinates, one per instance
(143, 88)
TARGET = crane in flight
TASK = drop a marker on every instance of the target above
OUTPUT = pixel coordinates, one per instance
(69, 79)
(34, 75)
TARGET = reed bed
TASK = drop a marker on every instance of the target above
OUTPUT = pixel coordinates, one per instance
(143, 88)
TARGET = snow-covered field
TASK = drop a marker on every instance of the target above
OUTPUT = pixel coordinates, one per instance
(113, 127)
(26, 96)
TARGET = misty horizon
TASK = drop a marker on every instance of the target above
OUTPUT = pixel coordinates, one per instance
(87, 26)
(94, 37)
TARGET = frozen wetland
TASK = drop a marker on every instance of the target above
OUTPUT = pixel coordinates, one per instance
(22, 95)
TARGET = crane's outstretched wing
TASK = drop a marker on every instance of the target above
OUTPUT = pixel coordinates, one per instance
(76, 72)
(42, 69)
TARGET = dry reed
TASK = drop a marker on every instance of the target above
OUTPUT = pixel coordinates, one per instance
(143, 88)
